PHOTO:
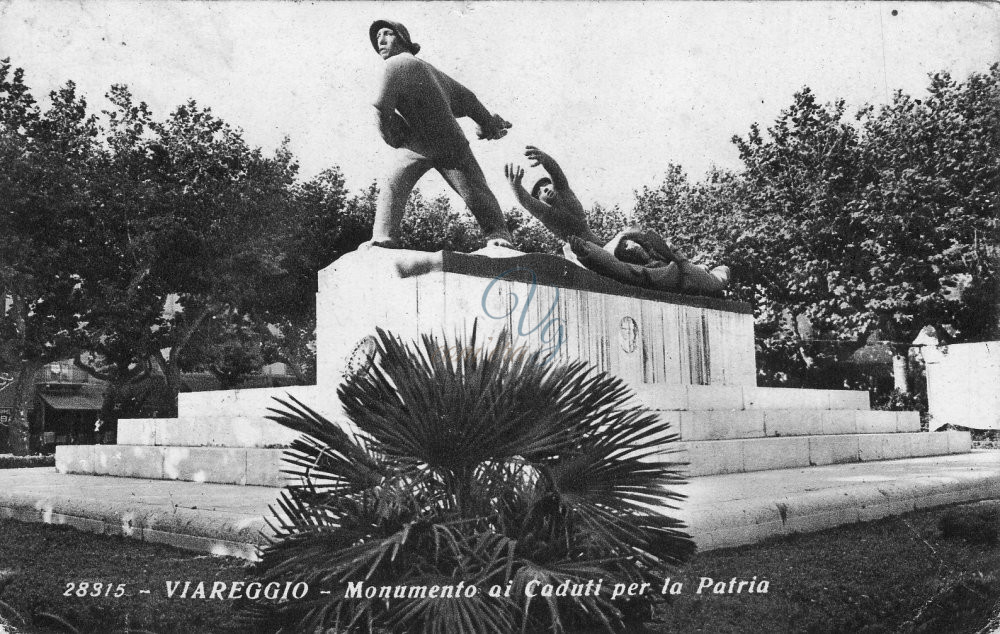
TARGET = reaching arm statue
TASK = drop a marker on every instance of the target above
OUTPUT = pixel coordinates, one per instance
(635, 256)
(551, 200)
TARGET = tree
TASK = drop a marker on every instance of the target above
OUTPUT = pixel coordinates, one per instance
(183, 202)
(228, 346)
(480, 469)
(841, 232)
(47, 159)
(432, 225)
(605, 222)
(800, 246)
(929, 213)
(321, 222)
(871, 230)
(530, 235)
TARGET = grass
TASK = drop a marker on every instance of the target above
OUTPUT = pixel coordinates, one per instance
(895, 575)
(38, 560)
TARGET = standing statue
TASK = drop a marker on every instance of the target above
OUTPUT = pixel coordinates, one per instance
(417, 107)
(635, 256)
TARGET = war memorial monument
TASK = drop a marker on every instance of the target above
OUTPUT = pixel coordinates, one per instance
(762, 461)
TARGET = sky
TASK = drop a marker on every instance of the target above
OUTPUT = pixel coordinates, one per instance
(614, 91)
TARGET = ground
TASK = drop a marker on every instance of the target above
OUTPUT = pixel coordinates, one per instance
(931, 571)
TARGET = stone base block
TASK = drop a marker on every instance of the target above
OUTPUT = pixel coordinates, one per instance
(710, 457)
(223, 465)
(130, 461)
(75, 458)
(792, 398)
(833, 449)
(958, 441)
(720, 511)
(723, 456)
(751, 423)
(720, 424)
(735, 397)
(731, 510)
(762, 454)
(204, 432)
(255, 403)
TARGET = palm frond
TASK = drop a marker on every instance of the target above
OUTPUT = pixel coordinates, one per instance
(479, 468)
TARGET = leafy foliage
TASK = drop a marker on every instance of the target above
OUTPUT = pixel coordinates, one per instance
(480, 469)
(47, 161)
(841, 231)
(930, 204)
(124, 234)
(228, 346)
(433, 225)
(189, 233)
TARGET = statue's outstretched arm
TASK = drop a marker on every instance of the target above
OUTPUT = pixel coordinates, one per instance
(538, 157)
(535, 207)
(465, 103)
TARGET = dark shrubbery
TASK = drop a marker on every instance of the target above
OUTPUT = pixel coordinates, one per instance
(8, 461)
(484, 470)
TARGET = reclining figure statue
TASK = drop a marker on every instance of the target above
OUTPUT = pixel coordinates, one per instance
(636, 257)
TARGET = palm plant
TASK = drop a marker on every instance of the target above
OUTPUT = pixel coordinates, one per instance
(482, 468)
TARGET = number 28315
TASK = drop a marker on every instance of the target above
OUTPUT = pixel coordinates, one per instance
(94, 589)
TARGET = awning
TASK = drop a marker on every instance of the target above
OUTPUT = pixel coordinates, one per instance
(77, 401)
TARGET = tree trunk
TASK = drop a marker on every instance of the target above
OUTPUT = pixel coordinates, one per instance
(20, 441)
(900, 368)
(172, 376)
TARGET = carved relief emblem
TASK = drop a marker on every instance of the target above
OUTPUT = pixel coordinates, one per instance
(628, 334)
(360, 357)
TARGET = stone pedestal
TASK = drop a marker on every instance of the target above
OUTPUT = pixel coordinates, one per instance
(690, 358)
(544, 303)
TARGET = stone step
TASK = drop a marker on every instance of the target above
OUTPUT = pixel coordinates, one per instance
(199, 432)
(729, 397)
(711, 457)
(227, 431)
(223, 465)
(255, 402)
(751, 423)
(720, 511)
(259, 466)
(723, 511)
(233, 431)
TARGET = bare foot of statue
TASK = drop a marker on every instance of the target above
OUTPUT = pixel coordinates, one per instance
(498, 249)
(721, 275)
(499, 241)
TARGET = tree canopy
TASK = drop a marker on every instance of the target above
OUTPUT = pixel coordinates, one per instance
(843, 229)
